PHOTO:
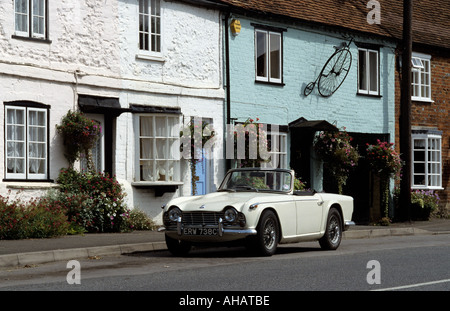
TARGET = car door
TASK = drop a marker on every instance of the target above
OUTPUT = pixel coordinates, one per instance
(309, 213)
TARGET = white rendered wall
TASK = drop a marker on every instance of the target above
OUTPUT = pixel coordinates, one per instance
(93, 50)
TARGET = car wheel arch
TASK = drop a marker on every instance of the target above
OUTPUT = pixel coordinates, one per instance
(338, 207)
(280, 230)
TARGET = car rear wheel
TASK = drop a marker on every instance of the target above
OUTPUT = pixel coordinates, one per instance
(177, 247)
(333, 232)
(266, 240)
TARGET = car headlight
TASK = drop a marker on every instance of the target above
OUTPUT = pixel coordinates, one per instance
(230, 214)
(174, 213)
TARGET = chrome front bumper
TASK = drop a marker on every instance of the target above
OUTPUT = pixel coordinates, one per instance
(221, 230)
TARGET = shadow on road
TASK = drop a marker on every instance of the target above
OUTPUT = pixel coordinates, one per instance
(226, 252)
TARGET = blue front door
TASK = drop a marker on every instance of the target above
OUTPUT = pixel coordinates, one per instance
(201, 168)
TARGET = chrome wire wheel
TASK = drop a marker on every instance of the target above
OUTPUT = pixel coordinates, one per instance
(333, 231)
(266, 240)
(269, 233)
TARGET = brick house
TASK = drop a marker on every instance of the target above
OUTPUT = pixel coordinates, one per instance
(430, 110)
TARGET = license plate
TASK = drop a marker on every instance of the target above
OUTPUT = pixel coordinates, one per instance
(200, 231)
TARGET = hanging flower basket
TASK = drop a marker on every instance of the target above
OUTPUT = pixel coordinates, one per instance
(386, 163)
(255, 143)
(79, 135)
(197, 132)
(337, 153)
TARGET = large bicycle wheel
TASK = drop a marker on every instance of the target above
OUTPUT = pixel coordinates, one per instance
(334, 72)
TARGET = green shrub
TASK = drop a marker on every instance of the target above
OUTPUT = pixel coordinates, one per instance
(93, 201)
(39, 218)
(139, 220)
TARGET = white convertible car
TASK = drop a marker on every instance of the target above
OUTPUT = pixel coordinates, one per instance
(259, 207)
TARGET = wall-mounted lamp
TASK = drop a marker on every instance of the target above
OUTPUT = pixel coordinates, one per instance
(235, 27)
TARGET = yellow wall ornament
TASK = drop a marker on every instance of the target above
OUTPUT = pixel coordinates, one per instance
(235, 27)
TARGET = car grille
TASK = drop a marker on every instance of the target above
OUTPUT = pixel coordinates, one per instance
(201, 218)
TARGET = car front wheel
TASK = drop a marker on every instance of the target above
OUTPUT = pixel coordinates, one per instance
(333, 232)
(266, 240)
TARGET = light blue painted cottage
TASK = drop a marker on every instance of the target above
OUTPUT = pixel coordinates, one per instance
(272, 51)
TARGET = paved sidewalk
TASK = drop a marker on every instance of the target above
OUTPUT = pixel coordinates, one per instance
(37, 251)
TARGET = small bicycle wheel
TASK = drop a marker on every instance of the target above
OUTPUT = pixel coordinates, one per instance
(309, 87)
(334, 72)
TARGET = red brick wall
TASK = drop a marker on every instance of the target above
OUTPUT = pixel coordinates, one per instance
(435, 114)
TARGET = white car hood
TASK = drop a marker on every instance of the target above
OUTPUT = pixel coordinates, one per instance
(216, 201)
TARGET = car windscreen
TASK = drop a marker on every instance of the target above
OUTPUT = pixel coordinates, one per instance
(248, 180)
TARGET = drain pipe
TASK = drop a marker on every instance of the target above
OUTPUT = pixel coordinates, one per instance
(227, 79)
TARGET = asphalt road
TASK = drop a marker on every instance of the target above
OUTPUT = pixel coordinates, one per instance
(412, 263)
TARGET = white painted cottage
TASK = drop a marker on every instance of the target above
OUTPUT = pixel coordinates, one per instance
(139, 67)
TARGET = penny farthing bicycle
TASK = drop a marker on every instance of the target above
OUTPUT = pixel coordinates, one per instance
(333, 72)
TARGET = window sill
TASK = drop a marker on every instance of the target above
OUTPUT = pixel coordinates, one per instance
(159, 187)
(30, 185)
(38, 40)
(369, 95)
(156, 58)
(156, 183)
(270, 83)
(426, 188)
(422, 100)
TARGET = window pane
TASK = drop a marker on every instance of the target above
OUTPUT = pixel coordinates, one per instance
(362, 66)
(275, 56)
(15, 141)
(147, 171)
(261, 54)
(419, 168)
(419, 143)
(146, 148)
(373, 65)
(146, 126)
(38, 18)
(419, 180)
(155, 26)
(156, 7)
(415, 83)
(21, 15)
(38, 7)
(161, 126)
(144, 25)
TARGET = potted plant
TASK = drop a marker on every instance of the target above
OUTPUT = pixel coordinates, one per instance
(386, 163)
(423, 203)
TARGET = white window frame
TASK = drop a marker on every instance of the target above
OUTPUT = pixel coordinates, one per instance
(421, 77)
(146, 51)
(431, 161)
(368, 72)
(27, 175)
(31, 32)
(268, 77)
(163, 138)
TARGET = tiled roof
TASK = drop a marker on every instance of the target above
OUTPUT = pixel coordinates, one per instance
(431, 18)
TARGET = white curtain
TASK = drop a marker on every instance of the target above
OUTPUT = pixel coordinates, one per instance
(15, 141)
(36, 142)
(146, 129)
